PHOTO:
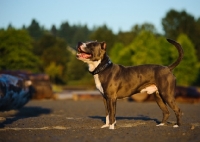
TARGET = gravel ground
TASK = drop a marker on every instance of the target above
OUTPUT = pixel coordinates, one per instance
(80, 121)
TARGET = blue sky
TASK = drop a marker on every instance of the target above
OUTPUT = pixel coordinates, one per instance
(116, 14)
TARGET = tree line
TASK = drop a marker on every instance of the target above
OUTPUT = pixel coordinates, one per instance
(52, 51)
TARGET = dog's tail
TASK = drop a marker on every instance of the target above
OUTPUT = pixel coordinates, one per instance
(180, 52)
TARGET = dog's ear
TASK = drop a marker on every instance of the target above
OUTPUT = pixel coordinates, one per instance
(103, 45)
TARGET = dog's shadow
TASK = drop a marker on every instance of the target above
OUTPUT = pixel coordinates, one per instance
(139, 117)
(25, 112)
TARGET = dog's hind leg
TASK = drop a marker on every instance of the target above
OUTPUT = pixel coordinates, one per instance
(163, 107)
(171, 102)
(168, 93)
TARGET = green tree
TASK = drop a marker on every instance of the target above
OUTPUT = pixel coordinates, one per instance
(16, 51)
(121, 54)
(144, 27)
(176, 23)
(54, 31)
(48, 41)
(65, 31)
(144, 49)
(76, 69)
(54, 71)
(53, 53)
(73, 33)
(125, 37)
(80, 33)
(35, 30)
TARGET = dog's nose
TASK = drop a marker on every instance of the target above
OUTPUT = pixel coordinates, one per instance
(80, 43)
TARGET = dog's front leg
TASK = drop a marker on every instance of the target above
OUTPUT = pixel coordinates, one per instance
(107, 114)
(111, 103)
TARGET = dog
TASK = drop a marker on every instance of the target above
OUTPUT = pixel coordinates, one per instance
(117, 81)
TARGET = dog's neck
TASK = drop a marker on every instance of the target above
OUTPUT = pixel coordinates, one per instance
(100, 65)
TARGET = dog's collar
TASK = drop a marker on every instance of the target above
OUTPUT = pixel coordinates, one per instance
(101, 67)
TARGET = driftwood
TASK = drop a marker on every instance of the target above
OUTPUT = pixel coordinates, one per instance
(42, 86)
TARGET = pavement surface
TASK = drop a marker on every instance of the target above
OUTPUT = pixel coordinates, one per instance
(80, 121)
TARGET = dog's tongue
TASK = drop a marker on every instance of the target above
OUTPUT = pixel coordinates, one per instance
(84, 55)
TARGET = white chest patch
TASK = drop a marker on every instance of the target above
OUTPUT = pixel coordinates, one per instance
(98, 83)
(92, 65)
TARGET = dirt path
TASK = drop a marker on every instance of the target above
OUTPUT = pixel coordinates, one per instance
(67, 120)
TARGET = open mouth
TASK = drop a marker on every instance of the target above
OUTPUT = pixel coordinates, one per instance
(82, 54)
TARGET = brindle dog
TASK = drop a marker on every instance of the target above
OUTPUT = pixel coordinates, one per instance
(117, 81)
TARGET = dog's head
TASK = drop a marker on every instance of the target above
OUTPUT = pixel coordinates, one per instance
(91, 51)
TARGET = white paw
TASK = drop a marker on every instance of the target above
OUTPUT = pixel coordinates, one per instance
(161, 124)
(176, 126)
(112, 126)
(104, 126)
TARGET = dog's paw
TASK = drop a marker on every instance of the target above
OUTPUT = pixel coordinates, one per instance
(112, 127)
(175, 126)
(161, 124)
(105, 126)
